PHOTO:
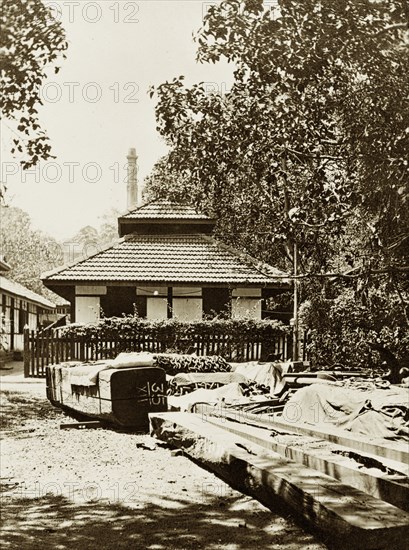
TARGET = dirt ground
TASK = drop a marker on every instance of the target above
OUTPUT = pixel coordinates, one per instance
(103, 489)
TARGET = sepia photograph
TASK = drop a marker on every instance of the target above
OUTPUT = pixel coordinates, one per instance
(204, 274)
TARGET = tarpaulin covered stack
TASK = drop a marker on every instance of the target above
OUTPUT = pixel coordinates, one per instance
(361, 406)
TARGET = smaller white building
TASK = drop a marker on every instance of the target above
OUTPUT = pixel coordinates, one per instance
(20, 306)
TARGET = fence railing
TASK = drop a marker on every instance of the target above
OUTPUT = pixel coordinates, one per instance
(47, 348)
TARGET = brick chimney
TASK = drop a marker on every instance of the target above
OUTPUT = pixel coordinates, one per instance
(132, 182)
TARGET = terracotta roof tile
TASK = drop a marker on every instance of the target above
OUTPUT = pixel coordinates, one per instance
(193, 258)
(164, 209)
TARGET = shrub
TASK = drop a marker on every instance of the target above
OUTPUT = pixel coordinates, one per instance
(172, 335)
(349, 331)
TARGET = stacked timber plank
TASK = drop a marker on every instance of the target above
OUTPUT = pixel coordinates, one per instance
(354, 491)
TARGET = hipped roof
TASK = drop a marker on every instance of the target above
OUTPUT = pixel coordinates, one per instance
(170, 259)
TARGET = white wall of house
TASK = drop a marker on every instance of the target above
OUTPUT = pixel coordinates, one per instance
(87, 309)
(90, 290)
(88, 303)
(156, 301)
(187, 303)
(156, 308)
(246, 303)
(246, 308)
(18, 342)
(187, 309)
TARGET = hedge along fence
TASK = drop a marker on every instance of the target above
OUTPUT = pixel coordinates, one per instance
(232, 339)
(229, 337)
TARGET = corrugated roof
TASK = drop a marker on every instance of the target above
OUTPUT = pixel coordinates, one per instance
(166, 210)
(23, 292)
(169, 259)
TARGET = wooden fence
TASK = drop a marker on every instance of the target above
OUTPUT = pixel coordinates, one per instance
(47, 348)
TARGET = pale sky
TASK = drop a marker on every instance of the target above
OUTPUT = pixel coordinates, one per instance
(97, 106)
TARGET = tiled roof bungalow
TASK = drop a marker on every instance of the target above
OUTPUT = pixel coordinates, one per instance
(166, 264)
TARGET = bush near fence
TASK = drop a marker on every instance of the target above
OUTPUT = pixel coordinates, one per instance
(232, 339)
(227, 337)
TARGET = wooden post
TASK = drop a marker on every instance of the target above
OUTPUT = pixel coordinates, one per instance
(33, 342)
(26, 353)
(295, 314)
(44, 351)
(72, 348)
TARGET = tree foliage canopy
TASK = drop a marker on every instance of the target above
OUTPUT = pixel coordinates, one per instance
(31, 252)
(310, 145)
(313, 130)
(28, 252)
(31, 40)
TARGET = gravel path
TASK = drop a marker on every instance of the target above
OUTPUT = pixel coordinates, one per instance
(103, 489)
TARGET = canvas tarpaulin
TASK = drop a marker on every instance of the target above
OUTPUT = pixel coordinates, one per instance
(376, 412)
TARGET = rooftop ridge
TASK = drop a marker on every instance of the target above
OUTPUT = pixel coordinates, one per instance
(176, 210)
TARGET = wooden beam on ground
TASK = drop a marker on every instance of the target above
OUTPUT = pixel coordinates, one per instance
(315, 374)
(350, 517)
(363, 472)
(392, 450)
(85, 425)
